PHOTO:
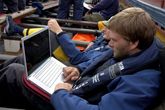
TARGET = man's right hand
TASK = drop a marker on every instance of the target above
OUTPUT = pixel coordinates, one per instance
(54, 26)
(89, 45)
(70, 74)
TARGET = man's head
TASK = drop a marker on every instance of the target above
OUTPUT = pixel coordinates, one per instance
(131, 30)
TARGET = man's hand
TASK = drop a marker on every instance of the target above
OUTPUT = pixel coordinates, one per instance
(54, 26)
(65, 86)
(70, 74)
(89, 45)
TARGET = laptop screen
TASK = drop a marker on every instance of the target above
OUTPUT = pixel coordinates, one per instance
(36, 49)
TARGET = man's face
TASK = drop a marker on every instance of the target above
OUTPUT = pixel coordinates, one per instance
(106, 33)
(120, 46)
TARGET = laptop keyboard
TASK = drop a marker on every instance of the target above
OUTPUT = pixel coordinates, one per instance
(48, 73)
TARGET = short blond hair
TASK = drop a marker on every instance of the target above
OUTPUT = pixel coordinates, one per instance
(134, 24)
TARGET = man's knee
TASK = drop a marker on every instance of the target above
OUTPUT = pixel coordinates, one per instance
(15, 71)
(16, 67)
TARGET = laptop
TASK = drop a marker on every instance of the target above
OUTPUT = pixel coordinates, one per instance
(42, 69)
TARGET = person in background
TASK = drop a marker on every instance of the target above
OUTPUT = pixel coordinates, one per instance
(103, 10)
(93, 50)
(14, 5)
(88, 4)
(1, 7)
(18, 5)
(64, 9)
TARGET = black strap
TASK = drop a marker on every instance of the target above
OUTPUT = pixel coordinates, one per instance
(27, 32)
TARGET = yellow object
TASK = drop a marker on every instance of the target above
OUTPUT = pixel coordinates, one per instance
(59, 54)
(31, 31)
(101, 26)
(161, 36)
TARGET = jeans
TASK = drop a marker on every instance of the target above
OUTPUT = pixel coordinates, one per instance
(12, 5)
(21, 4)
(1, 6)
(13, 92)
(64, 7)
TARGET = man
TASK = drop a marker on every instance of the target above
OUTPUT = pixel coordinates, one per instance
(127, 74)
(125, 78)
(76, 57)
(103, 10)
(99, 45)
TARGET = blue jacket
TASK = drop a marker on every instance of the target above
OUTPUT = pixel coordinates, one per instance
(129, 90)
(107, 8)
(83, 59)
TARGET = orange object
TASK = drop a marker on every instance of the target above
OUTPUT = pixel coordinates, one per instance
(83, 37)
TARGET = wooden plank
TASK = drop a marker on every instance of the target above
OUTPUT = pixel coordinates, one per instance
(158, 3)
(51, 4)
(25, 12)
(29, 11)
(77, 22)
(67, 29)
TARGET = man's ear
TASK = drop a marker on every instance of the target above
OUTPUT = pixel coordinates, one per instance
(134, 45)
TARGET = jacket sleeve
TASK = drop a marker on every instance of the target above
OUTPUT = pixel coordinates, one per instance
(72, 102)
(69, 48)
(103, 4)
(81, 59)
(129, 92)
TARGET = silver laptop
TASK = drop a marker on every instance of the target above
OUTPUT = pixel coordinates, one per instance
(42, 68)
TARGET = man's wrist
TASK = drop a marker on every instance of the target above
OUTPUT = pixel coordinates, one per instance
(61, 33)
(58, 31)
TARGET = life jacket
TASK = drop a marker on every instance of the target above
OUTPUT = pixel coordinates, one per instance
(83, 37)
(144, 60)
